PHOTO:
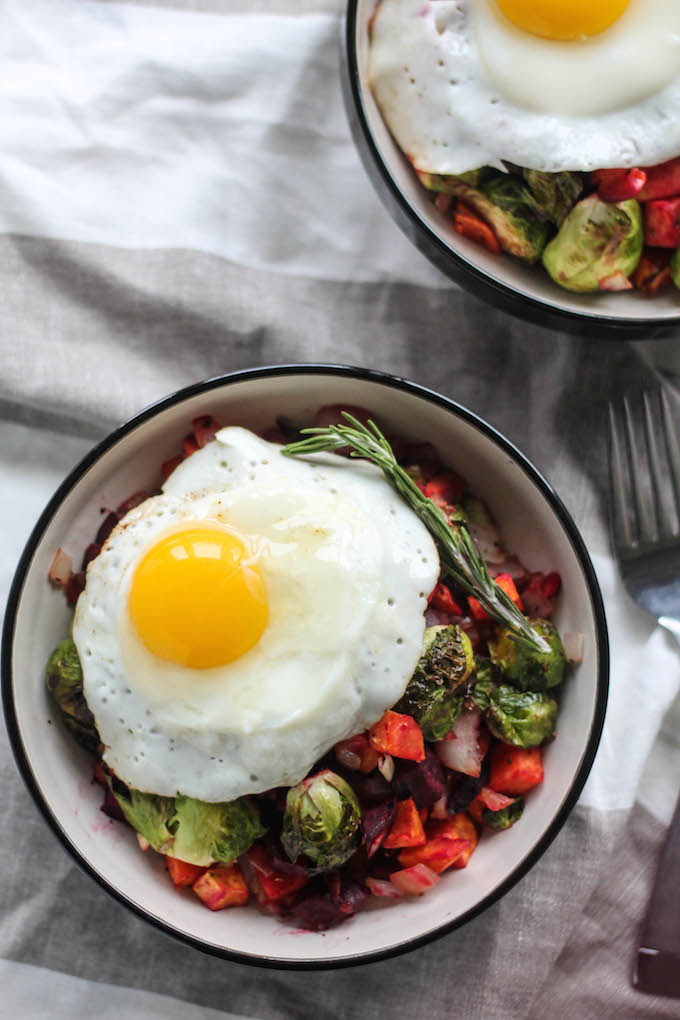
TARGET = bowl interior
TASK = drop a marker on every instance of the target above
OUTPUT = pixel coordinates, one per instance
(61, 772)
(530, 282)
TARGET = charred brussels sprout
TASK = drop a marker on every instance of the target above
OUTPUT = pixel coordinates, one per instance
(484, 684)
(432, 696)
(446, 184)
(321, 821)
(504, 818)
(214, 832)
(525, 668)
(148, 814)
(597, 241)
(675, 267)
(64, 678)
(521, 718)
(553, 195)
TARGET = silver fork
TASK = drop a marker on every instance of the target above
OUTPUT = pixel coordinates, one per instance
(644, 468)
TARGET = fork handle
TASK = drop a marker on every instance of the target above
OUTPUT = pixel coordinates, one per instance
(657, 965)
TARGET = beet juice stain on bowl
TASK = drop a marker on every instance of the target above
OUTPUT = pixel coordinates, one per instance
(497, 177)
(392, 806)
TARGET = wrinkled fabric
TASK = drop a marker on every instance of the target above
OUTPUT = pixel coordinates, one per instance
(102, 314)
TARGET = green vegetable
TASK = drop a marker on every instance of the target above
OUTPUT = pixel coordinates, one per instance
(675, 267)
(214, 832)
(191, 830)
(459, 554)
(553, 195)
(521, 718)
(321, 821)
(432, 696)
(484, 684)
(446, 184)
(64, 678)
(526, 668)
(597, 240)
(148, 814)
(506, 817)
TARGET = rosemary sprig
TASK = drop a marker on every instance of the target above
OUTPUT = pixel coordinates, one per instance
(458, 551)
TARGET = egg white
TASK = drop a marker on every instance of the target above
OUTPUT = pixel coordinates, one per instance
(461, 87)
(347, 568)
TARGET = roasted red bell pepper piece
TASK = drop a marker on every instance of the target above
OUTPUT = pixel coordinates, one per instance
(183, 873)
(663, 181)
(467, 223)
(515, 770)
(222, 886)
(415, 880)
(619, 185)
(407, 828)
(456, 827)
(441, 598)
(506, 583)
(662, 222)
(398, 735)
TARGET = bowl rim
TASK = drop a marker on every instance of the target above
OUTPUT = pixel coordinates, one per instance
(450, 262)
(305, 369)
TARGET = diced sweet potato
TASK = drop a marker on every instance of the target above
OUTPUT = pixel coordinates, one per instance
(515, 770)
(168, 466)
(439, 853)
(457, 827)
(662, 223)
(441, 598)
(407, 828)
(653, 271)
(416, 880)
(467, 223)
(398, 735)
(507, 584)
(183, 873)
(204, 428)
(222, 886)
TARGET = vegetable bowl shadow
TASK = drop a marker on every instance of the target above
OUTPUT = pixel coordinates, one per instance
(128, 460)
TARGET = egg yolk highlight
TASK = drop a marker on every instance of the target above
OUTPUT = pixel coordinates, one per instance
(563, 19)
(197, 599)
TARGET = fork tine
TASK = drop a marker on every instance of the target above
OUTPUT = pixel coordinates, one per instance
(638, 471)
(672, 448)
(621, 524)
(656, 472)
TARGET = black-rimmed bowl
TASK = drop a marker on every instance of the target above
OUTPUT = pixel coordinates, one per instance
(526, 292)
(535, 525)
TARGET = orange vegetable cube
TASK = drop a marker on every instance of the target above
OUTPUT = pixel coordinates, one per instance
(457, 827)
(506, 583)
(407, 828)
(439, 853)
(222, 886)
(182, 873)
(515, 770)
(399, 735)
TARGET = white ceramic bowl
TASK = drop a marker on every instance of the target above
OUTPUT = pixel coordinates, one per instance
(498, 279)
(534, 523)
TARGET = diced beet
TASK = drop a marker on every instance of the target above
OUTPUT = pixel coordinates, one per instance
(90, 554)
(373, 788)
(314, 910)
(438, 618)
(462, 749)
(663, 181)
(280, 862)
(74, 586)
(466, 789)
(423, 781)
(662, 222)
(375, 824)
(106, 527)
(619, 185)
(111, 807)
(331, 414)
(131, 502)
(275, 435)
(352, 898)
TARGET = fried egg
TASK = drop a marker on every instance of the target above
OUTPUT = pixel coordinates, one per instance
(546, 84)
(262, 608)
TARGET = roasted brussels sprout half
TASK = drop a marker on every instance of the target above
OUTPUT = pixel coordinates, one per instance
(446, 184)
(64, 679)
(521, 718)
(525, 668)
(214, 832)
(554, 195)
(148, 814)
(321, 821)
(675, 267)
(434, 697)
(484, 684)
(504, 818)
(596, 242)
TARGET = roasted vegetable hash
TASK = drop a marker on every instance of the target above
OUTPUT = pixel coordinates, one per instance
(386, 812)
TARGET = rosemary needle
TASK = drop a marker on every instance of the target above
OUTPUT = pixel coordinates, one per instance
(458, 551)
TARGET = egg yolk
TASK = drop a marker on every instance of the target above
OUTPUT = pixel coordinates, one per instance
(197, 599)
(563, 19)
